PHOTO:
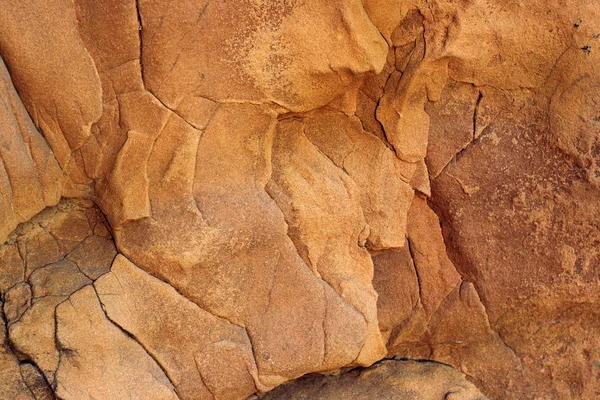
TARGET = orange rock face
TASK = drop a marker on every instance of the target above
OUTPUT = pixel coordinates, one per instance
(207, 199)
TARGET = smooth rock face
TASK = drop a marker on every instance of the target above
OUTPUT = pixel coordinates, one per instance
(206, 199)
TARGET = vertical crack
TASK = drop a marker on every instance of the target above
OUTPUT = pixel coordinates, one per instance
(409, 245)
(35, 381)
(140, 36)
(59, 347)
(270, 294)
(475, 113)
(254, 356)
(5, 328)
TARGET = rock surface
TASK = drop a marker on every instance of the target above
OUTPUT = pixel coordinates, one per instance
(206, 199)
(388, 379)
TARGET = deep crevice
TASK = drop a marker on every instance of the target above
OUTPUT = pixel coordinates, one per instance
(475, 113)
(409, 245)
(37, 383)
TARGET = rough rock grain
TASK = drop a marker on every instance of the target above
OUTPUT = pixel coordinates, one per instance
(257, 190)
(388, 379)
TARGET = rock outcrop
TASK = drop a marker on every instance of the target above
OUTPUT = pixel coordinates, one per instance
(207, 199)
(388, 379)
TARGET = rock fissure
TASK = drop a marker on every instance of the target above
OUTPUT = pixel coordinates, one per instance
(187, 120)
(416, 270)
(135, 340)
(475, 112)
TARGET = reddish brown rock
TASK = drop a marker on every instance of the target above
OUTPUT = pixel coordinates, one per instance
(518, 214)
(296, 188)
(397, 284)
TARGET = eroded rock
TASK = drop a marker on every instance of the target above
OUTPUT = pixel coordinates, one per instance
(275, 175)
(95, 351)
(388, 379)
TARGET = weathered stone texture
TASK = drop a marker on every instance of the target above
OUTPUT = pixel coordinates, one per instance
(256, 190)
(388, 379)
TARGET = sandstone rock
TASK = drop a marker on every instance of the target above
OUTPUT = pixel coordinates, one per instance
(35, 381)
(34, 333)
(29, 173)
(397, 284)
(381, 179)
(203, 355)
(13, 268)
(266, 53)
(389, 379)
(16, 301)
(56, 77)
(436, 315)
(249, 278)
(296, 188)
(94, 255)
(459, 333)
(518, 199)
(94, 351)
(11, 385)
(456, 111)
(513, 188)
(39, 249)
(53, 244)
(313, 211)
